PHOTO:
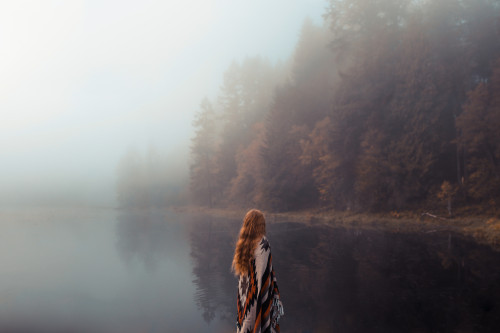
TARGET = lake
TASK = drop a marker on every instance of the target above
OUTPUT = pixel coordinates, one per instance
(99, 270)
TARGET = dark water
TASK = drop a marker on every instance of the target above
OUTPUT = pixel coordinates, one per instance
(154, 271)
(340, 280)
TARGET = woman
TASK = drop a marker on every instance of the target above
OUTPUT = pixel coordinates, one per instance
(259, 305)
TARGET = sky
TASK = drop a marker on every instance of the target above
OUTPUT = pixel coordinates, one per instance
(81, 82)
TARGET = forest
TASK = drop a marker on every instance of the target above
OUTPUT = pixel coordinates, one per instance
(390, 105)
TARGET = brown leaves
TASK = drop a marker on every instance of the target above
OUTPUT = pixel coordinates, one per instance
(479, 126)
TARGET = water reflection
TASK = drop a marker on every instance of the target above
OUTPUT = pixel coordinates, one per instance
(347, 280)
(212, 246)
(154, 245)
(149, 236)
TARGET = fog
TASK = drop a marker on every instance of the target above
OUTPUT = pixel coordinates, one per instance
(84, 82)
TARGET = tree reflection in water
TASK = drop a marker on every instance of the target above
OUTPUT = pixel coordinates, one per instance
(212, 247)
(353, 280)
(148, 236)
(157, 293)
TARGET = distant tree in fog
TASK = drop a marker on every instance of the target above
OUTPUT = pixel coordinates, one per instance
(244, 101)
(130, 185)
(225, 149)
(148, 180)
(203, 145)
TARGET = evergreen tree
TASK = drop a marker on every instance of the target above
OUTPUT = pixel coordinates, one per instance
(203, 154)
(244, 98)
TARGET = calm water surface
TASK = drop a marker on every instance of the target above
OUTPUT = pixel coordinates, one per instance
(98, 271)
(155, 271)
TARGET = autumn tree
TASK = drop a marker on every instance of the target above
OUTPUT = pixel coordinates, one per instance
(287, 183)
(480, 137)
(447, 193)
(305, 99)
(409, 144)
(244, 100)
(364, 42)
(317, 157)
(246, 186)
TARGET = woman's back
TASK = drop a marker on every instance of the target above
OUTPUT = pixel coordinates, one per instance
(258, 301)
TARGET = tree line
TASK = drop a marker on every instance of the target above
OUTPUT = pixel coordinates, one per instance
(390, 105)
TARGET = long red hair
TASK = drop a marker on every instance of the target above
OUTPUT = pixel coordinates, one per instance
(252, 230)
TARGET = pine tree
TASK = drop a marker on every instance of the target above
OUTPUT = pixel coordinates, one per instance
(203, 154)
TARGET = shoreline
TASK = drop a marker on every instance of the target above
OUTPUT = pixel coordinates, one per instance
(483, 229)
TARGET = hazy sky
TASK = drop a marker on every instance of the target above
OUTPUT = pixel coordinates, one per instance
(82, 81)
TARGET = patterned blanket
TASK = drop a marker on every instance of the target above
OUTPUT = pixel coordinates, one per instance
(259, 304)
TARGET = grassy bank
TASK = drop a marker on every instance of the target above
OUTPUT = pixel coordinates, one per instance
(484, 229)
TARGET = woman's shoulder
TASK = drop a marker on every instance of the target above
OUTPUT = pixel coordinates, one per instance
(262, 253)
(263, 247)
(264, 244)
